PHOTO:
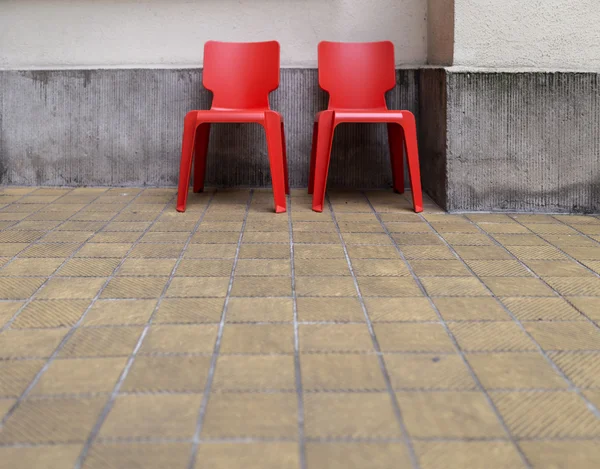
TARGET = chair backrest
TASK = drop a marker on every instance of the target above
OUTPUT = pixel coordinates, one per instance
(241, 74)
(357, 75)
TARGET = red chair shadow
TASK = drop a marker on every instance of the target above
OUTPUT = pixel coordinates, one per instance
(357, 76)
(241, 76)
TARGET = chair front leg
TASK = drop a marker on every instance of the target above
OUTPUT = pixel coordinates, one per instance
(185, 167)
(272, 126)
(200, 152)
(285, 163)
(396, 144)
(322, 158)
(409, 129)
(313, 159)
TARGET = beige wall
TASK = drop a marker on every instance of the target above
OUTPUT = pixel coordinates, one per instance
(547, 34)
(171, 33)
(440, 32)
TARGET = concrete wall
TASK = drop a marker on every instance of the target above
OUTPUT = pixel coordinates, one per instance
(542, 34)
(40, 34)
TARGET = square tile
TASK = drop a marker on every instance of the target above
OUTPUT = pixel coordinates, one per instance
(417, 239)
(350, 415)
(575, 286)
(88, 268)
(468, 455)
(180, 339)
(334, 338)
(341, 372)
(316, 237)
(449, 415)
(471, 309)
(8, 309)
(379, 268)
(254, 455)
(51, 313)
(265, 251)
(222, 237)
(211, 251)
(71, 288)
(19, 288)
(583, 368)
(260, 310)
(537, 253)
(16, 343)
(167, 374)
(454, 286)
(330, 309)
(367, 238)
(517, 286)
(148, 250)
(542, 309)
(104, 250)
(357, 455)
(59, 250)
(389, 286)
(400, 309)
(428, 371)
(325, 286)
(427, 253)
(515, 371)
(526, 414)
(565, 335)
(251, 415)
(189, 311)
(304, 267)
(505, 268)
(264, 267)
(258, 338)
(119, 312)
(16, 375)
(63, 420)
(75, 376)
(101, 342)
(587, 305)
(409, 337)
(483, 253)
(439, 268)
(372, 252)
(558, 269)
(262, 286)
(31, 267)
(562, 454)
(150, 455)
(255, 373)
(491, 337)
(133, 287)
(47, 456)
(152, 416)
(266, 236)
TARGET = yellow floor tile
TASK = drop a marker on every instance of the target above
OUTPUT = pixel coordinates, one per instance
(212, 251)
(133, 455)
(583, 368)
(50, 313)
(454, 286)
(197, 287)
(258, 338)
(251, 415)
(515, 371)
(471, 309)
(350, 415)
(88, 268)
(341, 372)
(409, 337)
(101, 342)
(16, 375)
(427, 253)
(542, 309)
(325, 286)
(74, 376)
(428, 371)
(31, 267)
(167, 373)
(594, 397)
(119, 312)
(468, 455)
(47, 457)
(266, 267)
(562, 454)
(366, 238)
(180, 339)
(449, 415)
(29, 342)
(19, 288)
(575, 286)
(334, 338)
(565, 335)
(8, 309)
(58, 250)
(491, 337)
(526, 415)
(506, 268)
(357, 455)
(105, 250)
(379, 268)
(147, 267)
(389, 286)
(254, 373)
(255, 455)
(587, 305)
(483, 252)
(189, 311)
(400, 309)
(372, 252)
(329, 309)
(558, 269)
(261, 286)
(439, 268)
(60, 420)
(268, 251)
(152, 415)
(260, 309)
(71, 288)
(517, 286)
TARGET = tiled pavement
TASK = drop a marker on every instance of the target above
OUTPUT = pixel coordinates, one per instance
(230, 337)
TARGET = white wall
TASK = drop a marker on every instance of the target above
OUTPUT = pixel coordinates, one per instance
(171, 33)
(547, 34)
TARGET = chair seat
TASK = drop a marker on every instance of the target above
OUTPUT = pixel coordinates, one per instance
(233, 115)
(364, 115)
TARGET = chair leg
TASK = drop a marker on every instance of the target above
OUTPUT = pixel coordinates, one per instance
(285, 164)
(272, 126)
(200, 151)
(185, 168)
(322, 158)
(409, 129)
(313, 154)
(396, 143)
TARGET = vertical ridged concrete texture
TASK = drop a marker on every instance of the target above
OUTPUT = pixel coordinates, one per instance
(123, 127)
(523, 141)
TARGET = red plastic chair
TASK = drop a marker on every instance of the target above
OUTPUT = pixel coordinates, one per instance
(356, 76)
(241, 76)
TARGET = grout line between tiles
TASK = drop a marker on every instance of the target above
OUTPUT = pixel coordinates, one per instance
(62, 342)
(297, 368)
(452, 337)
(551, 362)
(394, 401)
(108, 406)
(217, 347)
